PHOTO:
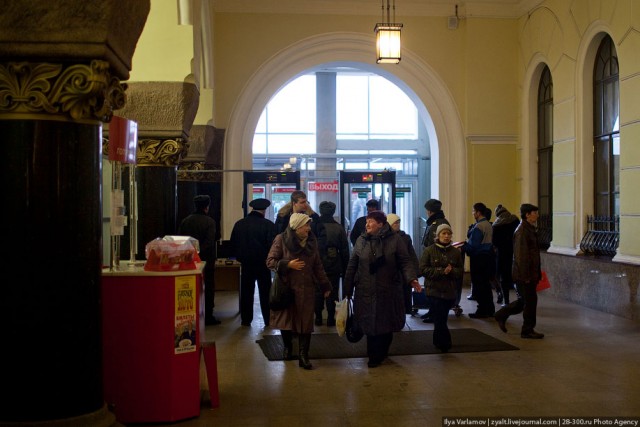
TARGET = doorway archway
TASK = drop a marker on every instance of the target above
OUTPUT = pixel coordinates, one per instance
(436, 108)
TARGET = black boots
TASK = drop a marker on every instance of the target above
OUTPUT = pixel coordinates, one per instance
(331, 317)
(287, 340)
(304, 340)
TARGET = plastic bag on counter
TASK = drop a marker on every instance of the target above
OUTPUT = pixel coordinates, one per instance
(171, 253)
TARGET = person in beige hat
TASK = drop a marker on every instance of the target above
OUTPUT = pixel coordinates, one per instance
(394, 222)
(295, 257)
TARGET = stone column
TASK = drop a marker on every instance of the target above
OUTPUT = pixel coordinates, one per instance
(164, 112)
(61, 66)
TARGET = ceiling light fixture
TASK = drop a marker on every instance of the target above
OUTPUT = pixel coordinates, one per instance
(388, 37)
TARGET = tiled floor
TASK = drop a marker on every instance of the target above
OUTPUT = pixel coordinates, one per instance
(588, 365)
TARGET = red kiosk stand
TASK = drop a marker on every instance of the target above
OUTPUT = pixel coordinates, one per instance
(153, 324)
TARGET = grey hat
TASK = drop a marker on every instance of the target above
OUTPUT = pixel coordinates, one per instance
(433, 205)
(260, 204)
(441, 228)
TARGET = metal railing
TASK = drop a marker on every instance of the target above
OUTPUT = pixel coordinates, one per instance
(602, 236)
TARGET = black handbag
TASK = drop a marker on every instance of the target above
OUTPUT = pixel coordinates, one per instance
(280, 295)
(352, 331)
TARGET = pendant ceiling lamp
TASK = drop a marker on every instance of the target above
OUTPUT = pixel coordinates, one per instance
(388, 36)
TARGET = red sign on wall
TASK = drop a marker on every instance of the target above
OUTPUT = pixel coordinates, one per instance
(324, 186)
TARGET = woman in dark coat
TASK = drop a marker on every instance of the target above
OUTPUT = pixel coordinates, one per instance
(371, 280)
(441, 266)
(294, 255)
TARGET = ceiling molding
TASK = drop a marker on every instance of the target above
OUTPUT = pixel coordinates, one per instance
(442, 8)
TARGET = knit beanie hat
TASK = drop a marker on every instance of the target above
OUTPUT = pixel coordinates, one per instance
(298, 220)
(441, 228)
(500, 209)
(433, 205)
(327, 208)
(392, 218)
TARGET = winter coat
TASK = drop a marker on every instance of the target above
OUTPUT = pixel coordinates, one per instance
(333, 245)
(284, 214)
(298, 317)
(503, 228)
(432, 225)
(358, 229)
(252, 238)
(202, 227)
(412, 254)
(433, 261)
(526, 254)
(378, 297)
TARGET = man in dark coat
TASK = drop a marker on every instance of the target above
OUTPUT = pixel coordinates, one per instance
(526, 273)
(297, 204)
(202, 227)
(251, 239)
(503, 228)
(359, 226)
(435, 217)
(334, 251)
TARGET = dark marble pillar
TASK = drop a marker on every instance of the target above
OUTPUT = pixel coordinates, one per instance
(61, 63)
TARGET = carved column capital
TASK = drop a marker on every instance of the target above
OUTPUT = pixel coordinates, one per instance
(161, 152)
(77, 92)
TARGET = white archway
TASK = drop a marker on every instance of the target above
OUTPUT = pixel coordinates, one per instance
(435, 104)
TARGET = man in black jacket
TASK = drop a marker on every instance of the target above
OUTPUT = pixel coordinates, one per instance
(298, 204)
(202, 227)
(251, 239)
(334, 251)
(359, 225)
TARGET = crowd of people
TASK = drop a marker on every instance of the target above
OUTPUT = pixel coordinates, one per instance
(379, 271)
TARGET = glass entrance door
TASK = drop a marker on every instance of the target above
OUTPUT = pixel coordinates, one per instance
(275, 186)
(357, 187)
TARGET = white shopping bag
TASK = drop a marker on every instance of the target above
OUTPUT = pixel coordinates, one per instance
(342, 310)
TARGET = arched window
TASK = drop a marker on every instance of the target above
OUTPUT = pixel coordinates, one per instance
(545, 157)
(606, 130)
(603, 234)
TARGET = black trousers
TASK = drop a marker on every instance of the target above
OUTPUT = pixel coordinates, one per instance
(320, 300)
(249, 275)
(209, 288)
(378, 346)
(440, 312)
(527, 304)
(482, 268)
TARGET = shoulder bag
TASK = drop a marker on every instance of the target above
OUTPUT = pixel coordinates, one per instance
(280, 295)
(352, 331)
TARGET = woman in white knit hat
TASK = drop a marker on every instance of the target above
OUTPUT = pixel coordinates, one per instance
(294, 256)
(441, 266)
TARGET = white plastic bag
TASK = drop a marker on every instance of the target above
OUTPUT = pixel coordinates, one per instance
(342, 310)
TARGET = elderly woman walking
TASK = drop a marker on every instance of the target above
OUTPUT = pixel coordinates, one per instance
(371, 280)
(294, 256)
(441, 266)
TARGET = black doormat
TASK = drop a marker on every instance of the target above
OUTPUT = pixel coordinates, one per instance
(332, 346)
